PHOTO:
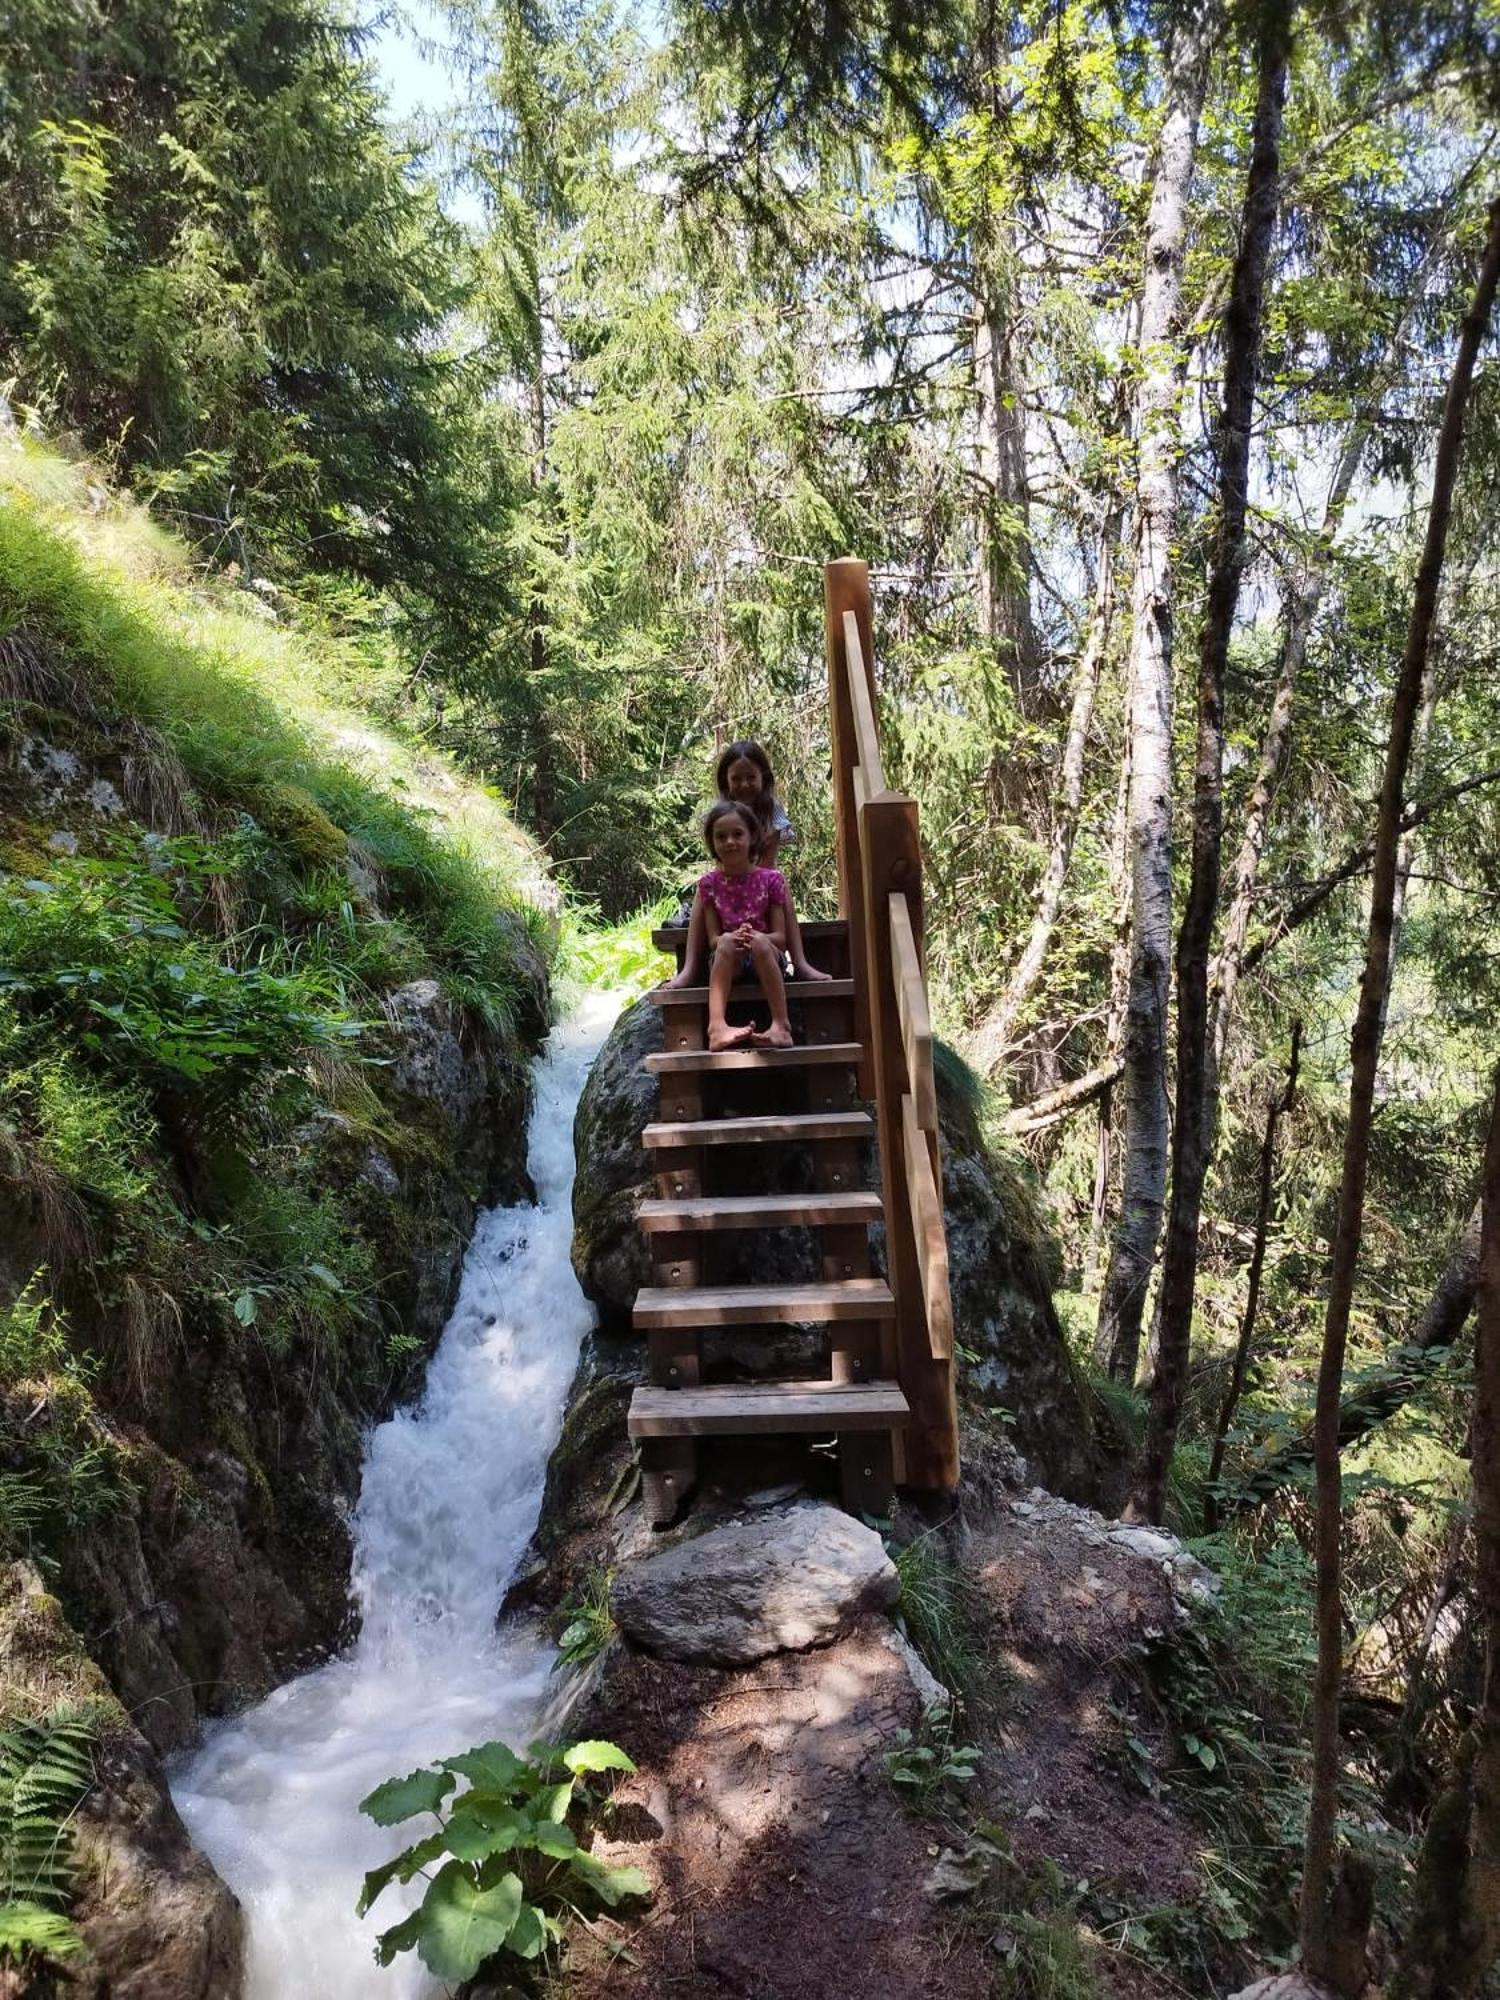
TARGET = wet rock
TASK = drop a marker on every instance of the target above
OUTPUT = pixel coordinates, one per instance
(157, 1921)
(779, 1583)
(431, 1059)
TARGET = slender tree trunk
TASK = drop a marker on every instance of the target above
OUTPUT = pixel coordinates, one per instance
(1004, 556)
(1275, 1111)
(1321, 1944)
(1158, 431)
(992, 1037)
(1114, 1034)
(1454, 1936)
(1306, 596)
(1190, 1134)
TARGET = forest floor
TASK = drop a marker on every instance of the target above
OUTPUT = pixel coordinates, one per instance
(787, 1863)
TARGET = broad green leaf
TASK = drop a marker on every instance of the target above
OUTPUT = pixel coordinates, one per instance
(596, 1756)
(401, 1798)
(244, 1308)
(401, 1937)
(492, 1767)
(610, 1885)
(528, 1934)
(406, 1864)
(463, 1924)
(478, 1828)
(551, 1837)
(554, 1802)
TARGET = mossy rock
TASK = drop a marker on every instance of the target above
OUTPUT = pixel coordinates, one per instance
(296, 819)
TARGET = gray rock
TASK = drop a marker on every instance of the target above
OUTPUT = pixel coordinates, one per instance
(1284, 1986)
(928, 1689)
(432, 1062)
(780, 1583)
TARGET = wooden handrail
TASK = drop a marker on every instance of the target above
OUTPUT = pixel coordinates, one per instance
(880, 894)
(916, 1019)
(931, 1238)
(866, 735)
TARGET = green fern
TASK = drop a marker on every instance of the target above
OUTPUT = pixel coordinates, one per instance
(46, 1766)
(26, 1929)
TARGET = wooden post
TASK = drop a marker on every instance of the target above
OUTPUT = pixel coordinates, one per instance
(892, 864)
(846, 587)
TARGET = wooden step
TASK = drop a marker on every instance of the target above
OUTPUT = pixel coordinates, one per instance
(674, 936)
(791, 1130)
(798, 992)
(727, 1409)
(759, 1211)
(763, 1305)
(672, 1061)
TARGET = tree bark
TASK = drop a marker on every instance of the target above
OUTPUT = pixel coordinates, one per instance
(1320, 1940)
(1454, 1936)
(1191, 1139)
(1158, 431)
(1275, 1111)
(1004, 508)
(992, 1036)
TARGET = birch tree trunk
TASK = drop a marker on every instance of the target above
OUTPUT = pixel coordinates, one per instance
(1321, 1944)
(1190, 1134)
(1158, 431)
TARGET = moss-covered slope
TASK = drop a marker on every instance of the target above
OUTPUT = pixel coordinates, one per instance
(270, 972)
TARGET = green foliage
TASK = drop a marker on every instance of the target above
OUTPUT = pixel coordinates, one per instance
(518, 1870)
(926, 1766)
(587, 1620)
(46, 1766)
(932, 1612)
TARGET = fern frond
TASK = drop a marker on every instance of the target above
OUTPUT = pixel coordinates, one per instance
(46, 1766)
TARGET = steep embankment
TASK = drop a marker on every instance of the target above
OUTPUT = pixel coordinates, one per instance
(269, 975)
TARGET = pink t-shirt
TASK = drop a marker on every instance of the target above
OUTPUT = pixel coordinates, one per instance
(744, 899)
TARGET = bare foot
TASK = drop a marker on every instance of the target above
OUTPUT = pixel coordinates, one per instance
(774, 1037)
(728, 1038)
(811, 972)
(687, 977)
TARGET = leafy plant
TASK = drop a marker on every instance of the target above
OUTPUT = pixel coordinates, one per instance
(588, 1621)
(46, 1766)
(932, 1612)
(926, 1764)
(514, 1870)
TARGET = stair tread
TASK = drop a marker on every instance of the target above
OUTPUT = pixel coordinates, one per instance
(798, 991)
(756, 1305)
(673, 1061)
(759, 1211)
(672, 936)
(722, 1409)
(793, 1129)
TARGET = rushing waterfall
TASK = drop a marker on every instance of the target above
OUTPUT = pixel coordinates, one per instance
(449, 1498)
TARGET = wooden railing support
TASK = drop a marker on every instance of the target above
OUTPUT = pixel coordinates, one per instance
(880, 886)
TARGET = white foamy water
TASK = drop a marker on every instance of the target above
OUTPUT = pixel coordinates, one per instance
(449, 1498)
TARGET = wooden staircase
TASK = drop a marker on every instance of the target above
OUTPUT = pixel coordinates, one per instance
(731, 1119)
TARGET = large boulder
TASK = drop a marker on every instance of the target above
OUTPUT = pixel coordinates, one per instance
(799, 1577)
(1014, 1358)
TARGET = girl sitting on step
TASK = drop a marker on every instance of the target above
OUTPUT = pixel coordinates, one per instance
(744, 774)
(744, 909)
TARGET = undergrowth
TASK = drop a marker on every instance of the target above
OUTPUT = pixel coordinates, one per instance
(46, 1766)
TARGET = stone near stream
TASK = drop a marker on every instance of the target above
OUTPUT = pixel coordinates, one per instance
(779, 1583)
(1284, 1986)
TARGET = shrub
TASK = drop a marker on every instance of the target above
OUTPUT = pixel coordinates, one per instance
(515, 1870)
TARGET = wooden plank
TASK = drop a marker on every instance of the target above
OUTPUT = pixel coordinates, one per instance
(737, 1408)
(867, 1472)
(676, 1357)
(815, 930)
(669, 1472)
(846, 587)
(683, 1026)
(794, 1131)
(862, 700)
(916, 1018)
(927, 1455)
(929, 1235)
(798, 991)
(759, 1211)
(762, 1305)
(813, 1055)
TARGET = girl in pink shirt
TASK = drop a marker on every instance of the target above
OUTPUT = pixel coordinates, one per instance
(744, 912)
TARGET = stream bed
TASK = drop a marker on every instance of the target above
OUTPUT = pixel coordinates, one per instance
(449, 1497)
